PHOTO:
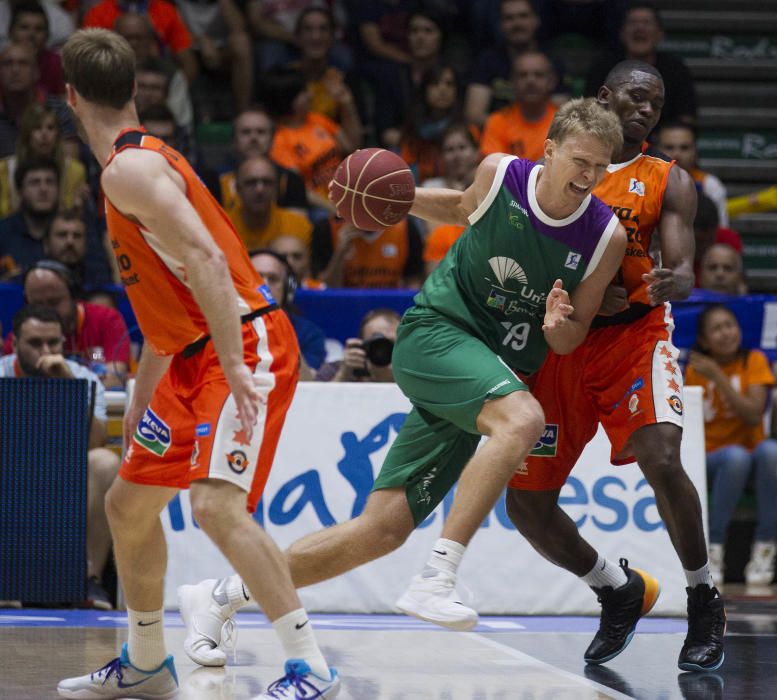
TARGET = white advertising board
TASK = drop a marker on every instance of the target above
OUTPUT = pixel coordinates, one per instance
(333, 443)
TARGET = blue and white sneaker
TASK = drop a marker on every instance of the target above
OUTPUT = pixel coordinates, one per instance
(120, 679)
(300, 683)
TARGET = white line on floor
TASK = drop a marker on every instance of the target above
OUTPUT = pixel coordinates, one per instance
(531, 660)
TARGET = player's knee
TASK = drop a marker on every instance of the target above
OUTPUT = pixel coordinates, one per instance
(523, 423)
(664, 470)
(117, 509)
(208, 510)
(385, 529)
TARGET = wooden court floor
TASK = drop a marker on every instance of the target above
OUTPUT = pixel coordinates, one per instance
(397, 658)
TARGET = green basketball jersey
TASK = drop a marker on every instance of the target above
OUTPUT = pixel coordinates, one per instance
(495, 279)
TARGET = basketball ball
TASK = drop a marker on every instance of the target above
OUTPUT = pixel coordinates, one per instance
(372, 189)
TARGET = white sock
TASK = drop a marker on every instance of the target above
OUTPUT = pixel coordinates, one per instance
(696, 578)
(299, 642)
(238, 594)
(146, 644)
(605, 573)
(446, 556)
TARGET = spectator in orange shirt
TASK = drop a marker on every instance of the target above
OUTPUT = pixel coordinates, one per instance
(257, 218)
(344, 256)
(329, 92)
(736, 384)
(522, 127)
(304, 141)
(168, 25)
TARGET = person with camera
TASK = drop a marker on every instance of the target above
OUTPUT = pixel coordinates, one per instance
(368, 357)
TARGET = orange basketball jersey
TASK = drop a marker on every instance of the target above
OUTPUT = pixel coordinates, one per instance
(376, 259)
(155, 280)
(635, 192)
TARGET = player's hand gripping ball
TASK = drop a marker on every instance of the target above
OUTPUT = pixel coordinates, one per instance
(372, 189)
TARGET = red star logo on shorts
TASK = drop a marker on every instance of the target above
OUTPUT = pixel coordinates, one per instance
(673, 385)
(666, 352)
(241, 437)
(669, 367)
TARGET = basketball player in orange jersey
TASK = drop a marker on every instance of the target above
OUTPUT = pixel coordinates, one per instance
(214, 382)
(625, 374)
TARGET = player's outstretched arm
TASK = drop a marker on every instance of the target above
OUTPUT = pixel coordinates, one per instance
(586, 298)
(143, 186)
(446, 206)
(674, 280)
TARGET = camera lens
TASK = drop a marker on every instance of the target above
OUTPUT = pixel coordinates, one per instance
(379, 349)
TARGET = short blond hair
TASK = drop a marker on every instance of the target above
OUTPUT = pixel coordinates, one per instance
(586, 116)
(100, 65)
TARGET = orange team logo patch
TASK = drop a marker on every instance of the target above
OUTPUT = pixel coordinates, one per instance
(676, 404)
(237, 461)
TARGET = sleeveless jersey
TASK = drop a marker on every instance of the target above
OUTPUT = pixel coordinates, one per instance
(496, 277)
(156, 282)
(634, 190)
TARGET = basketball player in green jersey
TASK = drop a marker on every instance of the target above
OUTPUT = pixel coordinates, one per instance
(529, 272)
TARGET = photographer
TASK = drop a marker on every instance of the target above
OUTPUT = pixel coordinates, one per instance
(368, 357)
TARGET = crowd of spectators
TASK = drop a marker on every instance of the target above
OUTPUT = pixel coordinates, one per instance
(303, 84)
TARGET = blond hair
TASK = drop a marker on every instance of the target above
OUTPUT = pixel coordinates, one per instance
(100, 65)
(586, 116)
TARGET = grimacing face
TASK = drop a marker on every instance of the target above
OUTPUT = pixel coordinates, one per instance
(637, 102)
(576, 166)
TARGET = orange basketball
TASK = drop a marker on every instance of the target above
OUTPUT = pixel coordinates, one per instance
(373, 189)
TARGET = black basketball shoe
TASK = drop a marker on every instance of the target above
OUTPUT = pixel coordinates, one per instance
(703, 648)
(621, 609)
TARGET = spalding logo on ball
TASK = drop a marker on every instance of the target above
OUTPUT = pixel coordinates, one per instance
(373, 189)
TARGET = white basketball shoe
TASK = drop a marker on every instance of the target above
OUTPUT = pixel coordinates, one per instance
(434, 599)
(120, 679)
(207, 616)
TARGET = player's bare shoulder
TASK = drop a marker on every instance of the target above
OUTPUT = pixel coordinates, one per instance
(680, 193)
(131, 180)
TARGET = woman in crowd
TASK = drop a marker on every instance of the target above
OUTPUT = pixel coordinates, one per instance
(40, 137)
(736, 384)
(438, 107)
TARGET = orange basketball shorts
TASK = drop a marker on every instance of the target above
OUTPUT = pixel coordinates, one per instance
(190, 429)
(624, 376)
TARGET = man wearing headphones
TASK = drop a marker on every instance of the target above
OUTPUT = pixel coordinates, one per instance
(86, 326)
(282, 281)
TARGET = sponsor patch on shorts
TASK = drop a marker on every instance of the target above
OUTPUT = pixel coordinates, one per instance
(153, 433)
(548, 443)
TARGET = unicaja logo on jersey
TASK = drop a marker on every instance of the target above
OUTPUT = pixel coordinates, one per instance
(153, 433)
(507, 269)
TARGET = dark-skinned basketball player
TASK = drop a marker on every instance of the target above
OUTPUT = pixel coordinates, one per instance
(625, 375)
